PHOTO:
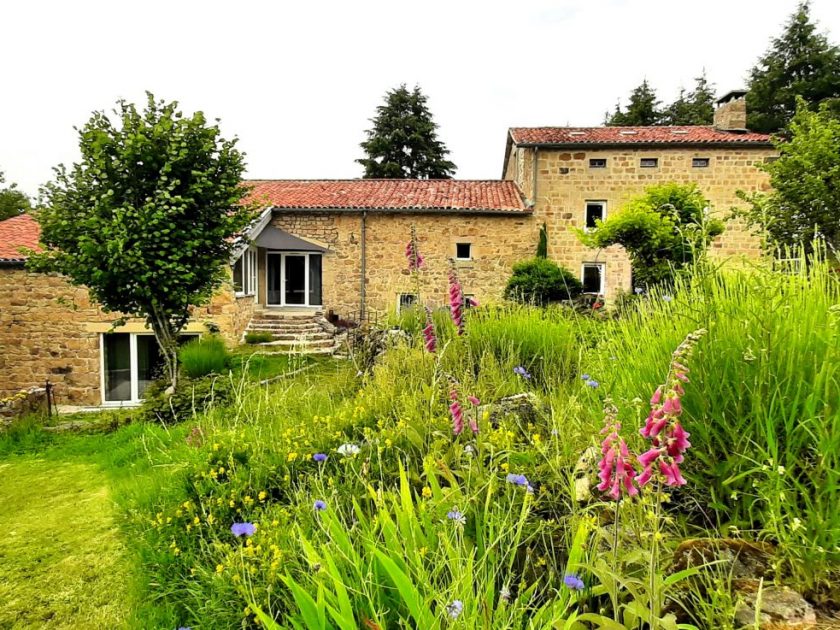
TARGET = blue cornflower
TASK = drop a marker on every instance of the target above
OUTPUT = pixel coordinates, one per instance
(319, 505)
(243, 529)
(573, 582)
(639, 290)
(519, 480)
(584, 377)
(592, 383)
(320, 457)
(184, 628)
(455, 515)
(521, 371)
(455, 609)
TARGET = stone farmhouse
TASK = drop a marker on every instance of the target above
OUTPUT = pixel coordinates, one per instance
(336, 248)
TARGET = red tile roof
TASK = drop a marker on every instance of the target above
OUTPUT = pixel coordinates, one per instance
(17, 232)
(391, 194)
(633, 135)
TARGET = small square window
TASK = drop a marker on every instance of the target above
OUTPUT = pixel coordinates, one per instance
(592, 277)
(649, 162)
(598, 163)
(595, 211)
(699, 162)
(406, 301)
(463, 251)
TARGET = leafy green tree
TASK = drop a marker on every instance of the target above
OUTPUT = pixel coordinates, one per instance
(146, 219)
(800, 63)
(541, 281)
(403, 142)
(696, 107)
(642, 110)
(805, 195)
(663, 230)
(12, 201)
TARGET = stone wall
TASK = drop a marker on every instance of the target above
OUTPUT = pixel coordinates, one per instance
(497, 242)
(565, 182)
(49, 329)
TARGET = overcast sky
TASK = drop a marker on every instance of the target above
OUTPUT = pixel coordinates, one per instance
(298, 81)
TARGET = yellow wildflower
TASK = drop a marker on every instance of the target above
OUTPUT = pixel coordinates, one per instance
(427, 492)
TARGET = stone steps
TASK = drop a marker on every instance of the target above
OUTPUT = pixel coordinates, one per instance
(294, 332)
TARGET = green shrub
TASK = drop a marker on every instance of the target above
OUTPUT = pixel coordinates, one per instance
(193, 396)
(258, 337)
(540, 281)
(203, 356)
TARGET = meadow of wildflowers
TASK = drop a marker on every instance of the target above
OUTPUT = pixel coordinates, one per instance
(398, 498)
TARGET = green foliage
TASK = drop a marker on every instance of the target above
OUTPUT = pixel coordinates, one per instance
(12, 201)
(258, 337)
(800, 63)
(145, 220)
(805, 194)
(194, 395)
(204, 356)
(642, 110)
(541, 281)
(696, 107)
(403, 142)
(542, 245)
(664, 230)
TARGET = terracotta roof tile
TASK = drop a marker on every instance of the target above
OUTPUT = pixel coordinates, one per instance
(633, 135)
(391, 194)
(17, 232)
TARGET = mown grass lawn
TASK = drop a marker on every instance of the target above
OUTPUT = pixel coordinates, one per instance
(62, 562)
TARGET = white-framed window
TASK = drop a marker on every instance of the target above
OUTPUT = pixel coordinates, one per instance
(598, 163)
(406, 301)
(245, 273)
(129, 362)
(594, 211)
(463, 251)
(592, 278)
(649, 162)
(700, 162)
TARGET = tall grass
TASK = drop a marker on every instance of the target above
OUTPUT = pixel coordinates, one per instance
(203, 356)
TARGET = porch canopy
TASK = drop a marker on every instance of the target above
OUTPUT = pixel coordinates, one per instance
(275, 238)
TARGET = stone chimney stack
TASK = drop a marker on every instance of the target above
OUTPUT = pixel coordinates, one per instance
(731, 111)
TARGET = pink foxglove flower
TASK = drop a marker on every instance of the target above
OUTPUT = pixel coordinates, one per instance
(615, 470)
(430, 339)
(456, 412)
(456, 301)
(662, 427)
(475, 402)
(412, 252)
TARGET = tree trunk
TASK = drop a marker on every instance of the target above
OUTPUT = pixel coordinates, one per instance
(167, 340)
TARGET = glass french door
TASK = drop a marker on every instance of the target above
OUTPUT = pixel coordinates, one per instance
(293, 279)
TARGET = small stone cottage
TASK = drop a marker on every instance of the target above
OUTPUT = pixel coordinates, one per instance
(336, 247)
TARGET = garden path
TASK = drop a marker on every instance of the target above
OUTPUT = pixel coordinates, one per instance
(62, 564)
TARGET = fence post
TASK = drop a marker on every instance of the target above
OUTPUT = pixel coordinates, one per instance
(48, 388)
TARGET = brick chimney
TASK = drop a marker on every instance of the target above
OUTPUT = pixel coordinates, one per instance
(731, 111)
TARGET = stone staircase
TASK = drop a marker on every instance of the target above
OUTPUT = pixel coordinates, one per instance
(295, 332)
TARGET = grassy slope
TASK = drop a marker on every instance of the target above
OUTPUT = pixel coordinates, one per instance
(62, 563)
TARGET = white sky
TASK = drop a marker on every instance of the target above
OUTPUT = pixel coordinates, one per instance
(297, 81)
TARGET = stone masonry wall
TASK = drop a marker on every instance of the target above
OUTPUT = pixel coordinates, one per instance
(497, 242)
(561, 195)
(49, 329)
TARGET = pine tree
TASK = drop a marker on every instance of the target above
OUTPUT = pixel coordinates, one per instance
(694, 108)
(642, 111)
(799, 63)
(403, 142)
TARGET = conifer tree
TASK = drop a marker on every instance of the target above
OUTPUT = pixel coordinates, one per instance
(642, 110)
(693, 108)
(802, 63)
(403, 142)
